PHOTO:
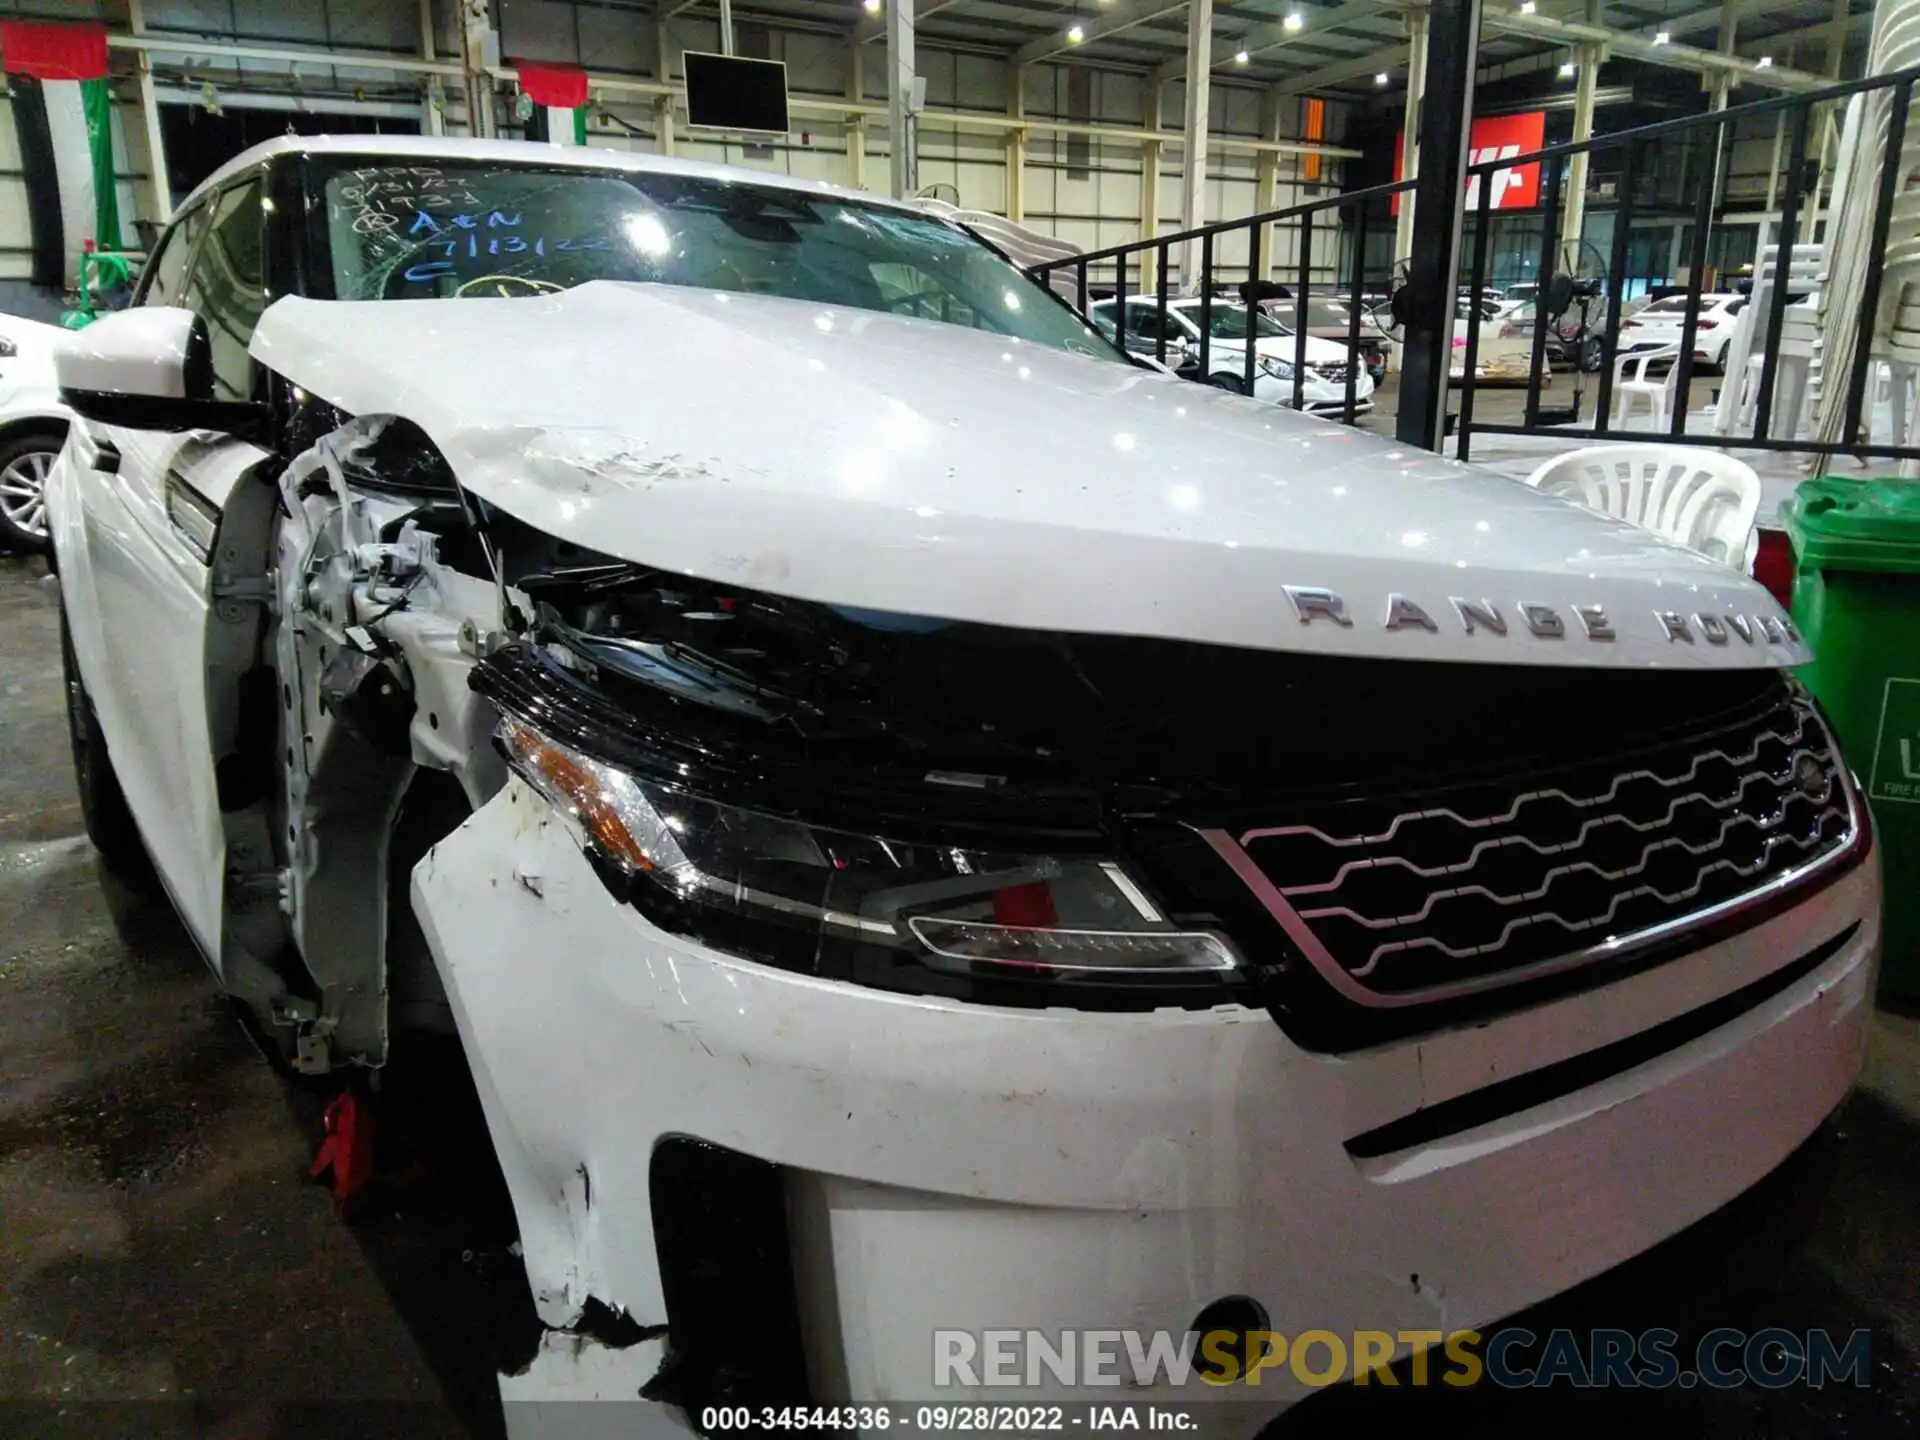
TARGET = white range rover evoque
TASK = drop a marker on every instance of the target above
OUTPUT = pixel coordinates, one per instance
(919, 822)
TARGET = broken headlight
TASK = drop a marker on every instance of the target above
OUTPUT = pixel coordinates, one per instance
(826, 901)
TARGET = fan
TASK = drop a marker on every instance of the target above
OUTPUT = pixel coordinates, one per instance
(1576, 305)
(940, 190)
(1391, 314)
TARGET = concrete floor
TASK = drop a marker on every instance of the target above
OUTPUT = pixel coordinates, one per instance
(166, 1268)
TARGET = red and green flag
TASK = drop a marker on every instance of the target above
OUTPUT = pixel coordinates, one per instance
(558, 94)
(62, 114)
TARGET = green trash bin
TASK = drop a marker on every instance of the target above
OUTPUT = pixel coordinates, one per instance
(1856, 597)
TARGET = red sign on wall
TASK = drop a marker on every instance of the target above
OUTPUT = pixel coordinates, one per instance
(1497, 137)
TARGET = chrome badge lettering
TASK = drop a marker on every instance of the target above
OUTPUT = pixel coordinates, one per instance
(1675, 624)
(1543, 621)
(1477, 613)
(1311, 603)
(1402, 612)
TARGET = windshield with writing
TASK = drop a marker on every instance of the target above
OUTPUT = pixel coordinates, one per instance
(444, 230)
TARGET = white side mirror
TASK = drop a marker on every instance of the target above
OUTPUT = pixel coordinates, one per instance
(142, 353)
(151, 368)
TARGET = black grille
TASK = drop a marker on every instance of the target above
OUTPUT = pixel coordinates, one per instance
(1399, 901)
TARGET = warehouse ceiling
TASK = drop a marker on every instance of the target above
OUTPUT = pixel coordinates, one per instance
(1350, 49)
(1338, 47)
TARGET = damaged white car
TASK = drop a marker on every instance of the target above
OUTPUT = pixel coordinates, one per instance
(921, 825)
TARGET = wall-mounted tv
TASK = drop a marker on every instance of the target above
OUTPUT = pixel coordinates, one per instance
(726, 92)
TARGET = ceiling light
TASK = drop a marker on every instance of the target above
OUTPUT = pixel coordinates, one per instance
(1661, 37)
(873, 7)
(1566, 69)
(1527, 7)
(1764, 61)
(1241, 57)
(1294, 21)
(1076, 35)
(1381, 78)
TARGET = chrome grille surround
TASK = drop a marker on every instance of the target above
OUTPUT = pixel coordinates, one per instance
(1483, 885)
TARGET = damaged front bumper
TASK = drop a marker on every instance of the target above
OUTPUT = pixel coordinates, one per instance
(805, 1180)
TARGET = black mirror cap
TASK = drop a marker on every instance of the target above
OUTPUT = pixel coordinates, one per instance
(243, 419)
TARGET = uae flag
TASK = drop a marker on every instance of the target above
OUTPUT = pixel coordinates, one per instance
(62, 115)
(559, 97)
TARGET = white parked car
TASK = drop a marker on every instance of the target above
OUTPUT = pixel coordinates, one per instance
(33, 427)
(920, 824)
(1663, 322)
(1323, 390)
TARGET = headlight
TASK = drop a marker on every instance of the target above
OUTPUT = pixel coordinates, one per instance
(770, 888)
(1279, 369)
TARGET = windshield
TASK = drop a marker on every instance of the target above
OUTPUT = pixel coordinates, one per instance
(1229, 322)
(449, 229)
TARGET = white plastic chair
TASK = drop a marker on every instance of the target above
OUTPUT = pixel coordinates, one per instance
(1657, 393)
(1705, 499)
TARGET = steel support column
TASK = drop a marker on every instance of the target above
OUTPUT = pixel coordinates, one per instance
(1016, 143)
(479, 53)
(663, 74)
(433, 103)
(1151, 152)
(855, 131)
(161, 198)
(1193, 155)
(903, 140)
(1410, 129)
(1585, 85)
(1266, 184)
(1446, 106)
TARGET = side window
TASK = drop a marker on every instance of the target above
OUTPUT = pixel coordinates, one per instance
(1150, 324)
(227, 287)
(167, 269)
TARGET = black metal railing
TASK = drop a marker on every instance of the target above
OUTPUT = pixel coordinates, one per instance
(1228, 263)
(1103, 281)
(1711, 136)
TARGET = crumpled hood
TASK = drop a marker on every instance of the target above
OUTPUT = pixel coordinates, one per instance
(894, 464)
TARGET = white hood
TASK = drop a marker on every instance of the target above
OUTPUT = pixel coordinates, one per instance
(894, 464)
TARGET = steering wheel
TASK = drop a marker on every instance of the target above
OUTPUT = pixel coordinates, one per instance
(506, 287)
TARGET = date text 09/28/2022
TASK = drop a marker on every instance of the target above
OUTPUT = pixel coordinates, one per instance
(940, 1419)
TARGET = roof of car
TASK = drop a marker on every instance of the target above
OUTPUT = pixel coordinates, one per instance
(519, 152)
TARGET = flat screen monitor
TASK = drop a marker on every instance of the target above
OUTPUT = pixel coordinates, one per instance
(725, 92)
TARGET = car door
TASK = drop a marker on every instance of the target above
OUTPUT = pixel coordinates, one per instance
(149, 517)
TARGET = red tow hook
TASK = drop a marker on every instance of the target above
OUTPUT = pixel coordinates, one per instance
(347, 1150)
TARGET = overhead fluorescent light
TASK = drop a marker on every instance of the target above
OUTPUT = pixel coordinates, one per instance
(1294, 21)
(1381, 78)
(1661, 37)
(1567, 68)
(1076, 35)
(1764, 62)
(1241, 57)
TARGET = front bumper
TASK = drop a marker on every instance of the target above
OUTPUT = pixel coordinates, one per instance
(1318, 396)
(957, 1167)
